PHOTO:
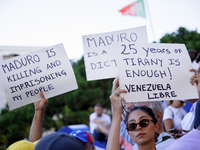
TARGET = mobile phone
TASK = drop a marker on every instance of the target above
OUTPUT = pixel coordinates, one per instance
(125, 112)
(173, 130)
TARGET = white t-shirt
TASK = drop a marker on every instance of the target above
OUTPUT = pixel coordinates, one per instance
(104, 117)
(176, 114)
(188, 120)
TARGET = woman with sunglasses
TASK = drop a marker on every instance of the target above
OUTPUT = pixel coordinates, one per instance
(141, 124)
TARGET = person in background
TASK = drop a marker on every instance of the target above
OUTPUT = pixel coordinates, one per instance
(99, 123)
(173, 115)
(191, 139)
(85, 138)
(80, 140)
(22, 145)
(58, 140)
(187, 123)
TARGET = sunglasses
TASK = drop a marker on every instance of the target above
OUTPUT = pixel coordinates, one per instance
(143, 123)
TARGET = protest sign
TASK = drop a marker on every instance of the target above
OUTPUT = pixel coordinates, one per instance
(48, 70)
(2, 97)
(99, 55)
(151, 71)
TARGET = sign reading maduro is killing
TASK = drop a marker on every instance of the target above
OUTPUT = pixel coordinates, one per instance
(152, 71)
(24, 77)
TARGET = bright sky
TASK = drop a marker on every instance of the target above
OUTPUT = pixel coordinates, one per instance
(49, 22)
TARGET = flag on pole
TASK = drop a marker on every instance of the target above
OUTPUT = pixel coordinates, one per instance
(134, 9)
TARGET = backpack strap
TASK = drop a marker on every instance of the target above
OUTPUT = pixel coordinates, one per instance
(171, 112)
(172, 117)
(164, 138)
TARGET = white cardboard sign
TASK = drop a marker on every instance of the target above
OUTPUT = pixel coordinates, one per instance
(151, 72)
(99, 55)
(48, 70)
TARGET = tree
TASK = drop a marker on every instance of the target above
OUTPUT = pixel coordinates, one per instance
(191, 39)
(15, 124)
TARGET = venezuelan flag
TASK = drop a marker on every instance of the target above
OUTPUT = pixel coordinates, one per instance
(134, 9)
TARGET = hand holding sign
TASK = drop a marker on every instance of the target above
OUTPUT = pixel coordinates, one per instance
(42, 104)
(195, 79)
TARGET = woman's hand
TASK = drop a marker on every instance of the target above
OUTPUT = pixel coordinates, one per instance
(113, 138)
(42, 104)
(115, 100)
(180, 134)
(195, 79)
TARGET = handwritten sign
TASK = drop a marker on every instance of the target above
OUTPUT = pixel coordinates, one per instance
(99, 55)
(151, 72)
(48, 70)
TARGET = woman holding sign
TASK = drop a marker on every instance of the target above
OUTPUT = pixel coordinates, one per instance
(141, 124)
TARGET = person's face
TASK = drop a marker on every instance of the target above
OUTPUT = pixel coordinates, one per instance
(168, 103)
(98, 110)
(142, 135)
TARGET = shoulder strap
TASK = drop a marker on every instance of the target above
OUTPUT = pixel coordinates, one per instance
(172, 117)
(171, 112)
(164, 138)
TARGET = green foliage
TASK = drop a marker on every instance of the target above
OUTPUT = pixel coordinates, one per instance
(15, 124)
(191, 39)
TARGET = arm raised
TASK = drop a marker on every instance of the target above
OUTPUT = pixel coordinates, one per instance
(36, 126)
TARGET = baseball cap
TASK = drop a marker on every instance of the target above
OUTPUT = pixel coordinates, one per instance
(59, 141)
(22, 145)
(82, 135)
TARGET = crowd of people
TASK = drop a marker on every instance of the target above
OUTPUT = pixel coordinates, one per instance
(146, 125)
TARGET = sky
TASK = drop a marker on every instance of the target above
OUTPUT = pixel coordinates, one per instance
(44, 23)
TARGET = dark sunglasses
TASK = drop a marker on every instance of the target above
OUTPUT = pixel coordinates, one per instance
(143, 123)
